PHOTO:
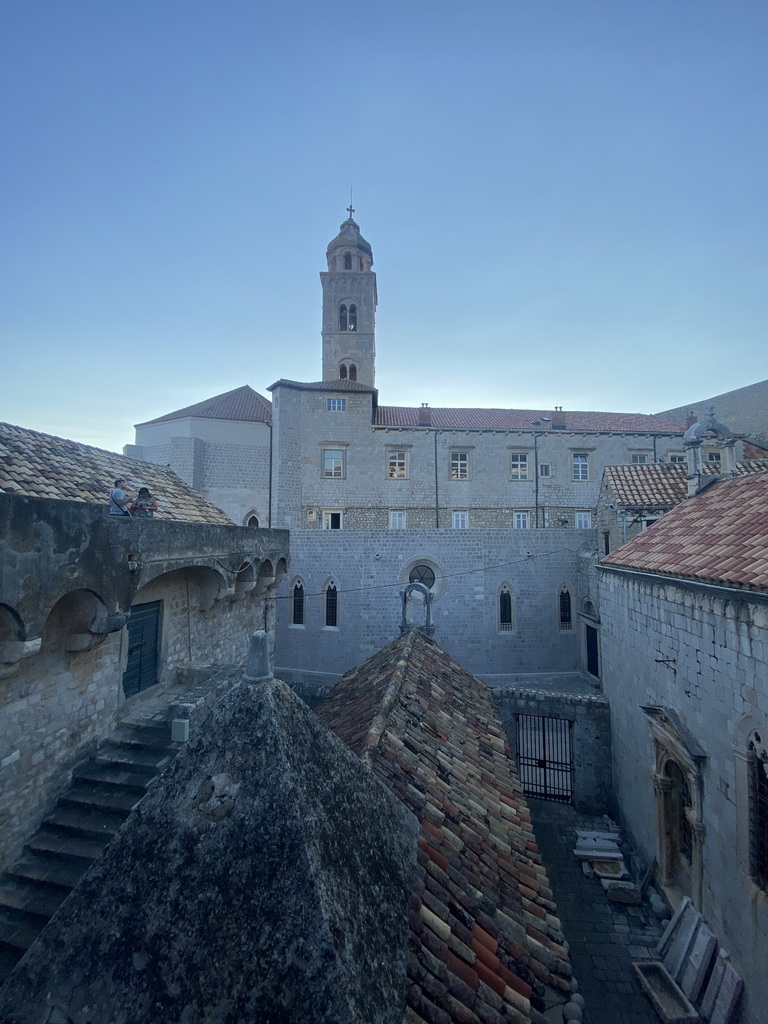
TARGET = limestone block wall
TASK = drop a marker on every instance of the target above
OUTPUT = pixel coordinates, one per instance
(54, 709)
(703, 654)
(744, 410)
(590, 737)
(369, 567)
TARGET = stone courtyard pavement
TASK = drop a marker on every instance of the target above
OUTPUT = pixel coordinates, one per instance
(604, 938)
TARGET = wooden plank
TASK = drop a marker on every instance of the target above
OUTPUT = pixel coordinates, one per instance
(727, 997)
(697, 964)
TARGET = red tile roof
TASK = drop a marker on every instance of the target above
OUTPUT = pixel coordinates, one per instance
(720, 536)
(528, 419)
(660, 484)
(43, 466)
(484, 936)
(755, 451)
(322, 385)
(241, 404)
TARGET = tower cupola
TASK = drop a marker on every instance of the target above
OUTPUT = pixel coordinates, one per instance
(349, 307)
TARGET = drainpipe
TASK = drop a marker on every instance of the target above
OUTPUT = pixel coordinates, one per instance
(624, 525)
(269, 514)
(437, 497)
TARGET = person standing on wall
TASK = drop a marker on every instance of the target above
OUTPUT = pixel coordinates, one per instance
(119, 500)
(144, 506)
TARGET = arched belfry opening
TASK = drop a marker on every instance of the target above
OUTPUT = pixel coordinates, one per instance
(349, 307)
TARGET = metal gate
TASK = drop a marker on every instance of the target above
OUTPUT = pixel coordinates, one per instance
(544, 757)
(143, 628)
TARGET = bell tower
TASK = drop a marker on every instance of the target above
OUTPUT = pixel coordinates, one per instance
(349, 307)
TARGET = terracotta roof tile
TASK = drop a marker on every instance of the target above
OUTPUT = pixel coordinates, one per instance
(719, 536)
(323, 385)
(528, 419)
(483, 935)
(661, 484)
(241, 404)
(43, 466)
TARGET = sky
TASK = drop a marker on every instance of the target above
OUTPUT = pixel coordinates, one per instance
(566, 200)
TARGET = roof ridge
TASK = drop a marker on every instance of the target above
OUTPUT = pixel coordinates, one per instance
(378, 725)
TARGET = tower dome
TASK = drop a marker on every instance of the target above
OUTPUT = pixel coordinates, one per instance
(349, 243)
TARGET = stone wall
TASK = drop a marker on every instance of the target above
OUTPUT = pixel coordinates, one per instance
(70, 574)
(701, 655)
(369, 568)
(744, 410)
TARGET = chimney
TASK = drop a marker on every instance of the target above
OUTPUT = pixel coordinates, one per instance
(558, 418)
(691, 418)
(257, 668)
(425, 415)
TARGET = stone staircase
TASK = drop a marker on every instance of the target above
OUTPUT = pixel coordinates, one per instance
(103, 792)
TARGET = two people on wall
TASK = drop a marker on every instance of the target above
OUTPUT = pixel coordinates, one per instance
(143, 506)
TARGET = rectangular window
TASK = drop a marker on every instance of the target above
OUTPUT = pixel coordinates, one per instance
(459, 465)
(581, 467)
(545, 469)
(545, 518)
(460, 520)
(713, 457)
(336, 404)
(397, 465)
(396, 519)
(676, 457)
(332, 520)
(639, 459)
(522, 520)
(583, 520)
(333, 462)
(518, 465)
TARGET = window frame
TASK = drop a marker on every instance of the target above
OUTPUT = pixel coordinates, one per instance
(331, 609)
(518, 466)
(640, 458)
(298, 602)
(460, 519)
(335, 405)
(328, 513)
(581, 525)
(459, 464)
(397, 459)
(580, 467)
(393, 514)
(521, 519)
(505, 609)
(342, 463)
(545, 470)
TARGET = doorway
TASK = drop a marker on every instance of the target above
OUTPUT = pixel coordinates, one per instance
(143, 633)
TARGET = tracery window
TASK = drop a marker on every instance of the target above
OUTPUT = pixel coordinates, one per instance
(566, 621)
(505, 608)
(297, 617)
(331, 605)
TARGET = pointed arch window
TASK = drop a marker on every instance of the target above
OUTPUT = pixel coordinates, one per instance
(331, 605)
(506, 611)
(342, 317)
(352, 323)
(758, 811)
(297, 610)
(343, 371)
(347, 260)
(352, 371)
(566, 621)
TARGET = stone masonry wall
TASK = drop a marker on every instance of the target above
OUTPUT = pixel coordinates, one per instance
(702, 653)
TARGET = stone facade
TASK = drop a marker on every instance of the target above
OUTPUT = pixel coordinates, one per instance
(70, 576)
(701, 655)
(227, 461)
(745, 410)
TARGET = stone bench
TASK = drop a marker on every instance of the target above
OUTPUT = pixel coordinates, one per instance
(693, 981)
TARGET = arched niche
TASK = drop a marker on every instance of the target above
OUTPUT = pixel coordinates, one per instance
(78, 622)
(14, 646)
(199, 585)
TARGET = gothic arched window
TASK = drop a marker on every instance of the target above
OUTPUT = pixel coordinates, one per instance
(352, 317)
(342, 317)
(347, 260)
(297, 617)
(331, 605)
(758, 811)
(505, 608)
(566, 621)
(343, 371)
(352, 371)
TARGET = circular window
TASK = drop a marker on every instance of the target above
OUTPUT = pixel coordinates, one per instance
(422, 574)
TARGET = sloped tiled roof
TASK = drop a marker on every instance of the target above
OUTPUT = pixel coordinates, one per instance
(43, 466)
(322, 385)
(484, 936)
(720, 536)
(241, 404)
(528, 419)
(755, 451)
(661, 484)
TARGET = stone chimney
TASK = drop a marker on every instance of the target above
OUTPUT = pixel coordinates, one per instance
(257, 668)
(690, 419)
(558, 418)
(425, 415)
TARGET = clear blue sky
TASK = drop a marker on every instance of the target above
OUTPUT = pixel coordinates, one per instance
(566, 200)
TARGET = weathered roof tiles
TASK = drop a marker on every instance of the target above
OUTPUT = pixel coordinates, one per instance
(485, 940)
(43, 466)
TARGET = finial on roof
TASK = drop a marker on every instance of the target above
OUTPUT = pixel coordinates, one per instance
(350, 208)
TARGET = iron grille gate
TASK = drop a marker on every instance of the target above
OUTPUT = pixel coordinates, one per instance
(544, 757)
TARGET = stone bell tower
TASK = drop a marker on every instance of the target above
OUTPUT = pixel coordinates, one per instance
(349, 307)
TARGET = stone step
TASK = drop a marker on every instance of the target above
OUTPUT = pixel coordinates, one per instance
(51, 843)
(152, 736)
(138, 758)
(100, 798)
(9, 957)
(81, 822)
(29, 898)
(112, 775)
(61, 873)
(19, 931)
